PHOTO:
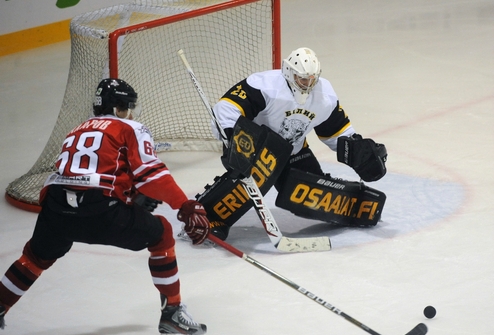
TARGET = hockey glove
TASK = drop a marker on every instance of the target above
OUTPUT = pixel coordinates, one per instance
(192, 213)
(365, 156)
(231, 172)
(146, 202)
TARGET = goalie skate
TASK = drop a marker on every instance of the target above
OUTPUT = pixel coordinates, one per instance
(176, 320)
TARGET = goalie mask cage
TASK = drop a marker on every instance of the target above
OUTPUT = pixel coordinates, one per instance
(225, 41)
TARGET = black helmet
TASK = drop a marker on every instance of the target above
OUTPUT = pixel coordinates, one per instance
(113, 93)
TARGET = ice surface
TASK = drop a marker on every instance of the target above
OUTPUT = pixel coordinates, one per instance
(415, 75)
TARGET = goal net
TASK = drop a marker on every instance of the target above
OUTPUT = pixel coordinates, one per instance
(224, 41)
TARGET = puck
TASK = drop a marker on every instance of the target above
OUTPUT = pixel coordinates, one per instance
(429, 312)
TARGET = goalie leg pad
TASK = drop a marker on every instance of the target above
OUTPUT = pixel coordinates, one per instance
(225, 201)
(332, 200)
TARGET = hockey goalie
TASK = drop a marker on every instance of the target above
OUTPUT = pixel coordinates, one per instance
(266, 118)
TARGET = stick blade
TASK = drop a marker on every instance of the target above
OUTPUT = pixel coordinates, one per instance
(420, 329)
(307, 244)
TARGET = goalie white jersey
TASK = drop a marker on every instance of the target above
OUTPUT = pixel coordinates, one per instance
(266, 99)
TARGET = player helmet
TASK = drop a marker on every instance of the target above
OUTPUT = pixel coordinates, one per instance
(301, 69)
(112, 94)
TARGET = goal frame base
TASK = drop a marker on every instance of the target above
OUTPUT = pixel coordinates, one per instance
(35, 208)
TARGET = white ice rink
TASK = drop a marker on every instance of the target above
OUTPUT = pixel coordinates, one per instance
(416, 75)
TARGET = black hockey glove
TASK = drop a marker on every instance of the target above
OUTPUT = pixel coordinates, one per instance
(365, 156)
(146, 202)
(237, 163)
(231, 173)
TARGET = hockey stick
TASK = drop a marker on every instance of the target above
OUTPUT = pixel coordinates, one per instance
(277, 239)
(420, 329)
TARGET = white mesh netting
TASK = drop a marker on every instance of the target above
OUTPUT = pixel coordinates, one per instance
(222, 46)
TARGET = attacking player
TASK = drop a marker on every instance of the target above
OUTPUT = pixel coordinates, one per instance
(103, 192)
(266, 118)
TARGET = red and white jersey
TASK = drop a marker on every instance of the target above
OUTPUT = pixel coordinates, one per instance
(118, 156)
(266, 99)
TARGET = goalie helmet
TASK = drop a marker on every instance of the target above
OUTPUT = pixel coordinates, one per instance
(112, 94)
(301, 69)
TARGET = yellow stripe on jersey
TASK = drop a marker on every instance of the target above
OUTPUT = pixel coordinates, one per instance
(342, 130)
(235, 104)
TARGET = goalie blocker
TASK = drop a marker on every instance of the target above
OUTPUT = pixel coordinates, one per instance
(332, 200)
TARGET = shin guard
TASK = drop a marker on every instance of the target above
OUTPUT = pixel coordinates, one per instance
(21, 276)
(163, 265)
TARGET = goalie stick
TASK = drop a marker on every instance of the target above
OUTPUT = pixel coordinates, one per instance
(420, 329)
(277, 239)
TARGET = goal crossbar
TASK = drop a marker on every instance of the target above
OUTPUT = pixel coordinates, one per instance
(113, 37)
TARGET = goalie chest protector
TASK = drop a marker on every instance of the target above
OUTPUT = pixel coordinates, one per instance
(337, 201)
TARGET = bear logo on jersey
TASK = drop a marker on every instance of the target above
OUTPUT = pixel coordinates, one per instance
(292, 129)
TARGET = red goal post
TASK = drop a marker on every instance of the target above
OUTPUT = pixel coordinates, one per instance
(225, 41)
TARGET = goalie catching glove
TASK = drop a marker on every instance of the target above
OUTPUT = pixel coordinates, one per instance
(192, 213)
(365, 156)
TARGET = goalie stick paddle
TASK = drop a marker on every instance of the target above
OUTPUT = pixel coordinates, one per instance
(420, 329)
(277, 239)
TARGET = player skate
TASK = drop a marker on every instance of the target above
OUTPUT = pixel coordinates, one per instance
(176, 320)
